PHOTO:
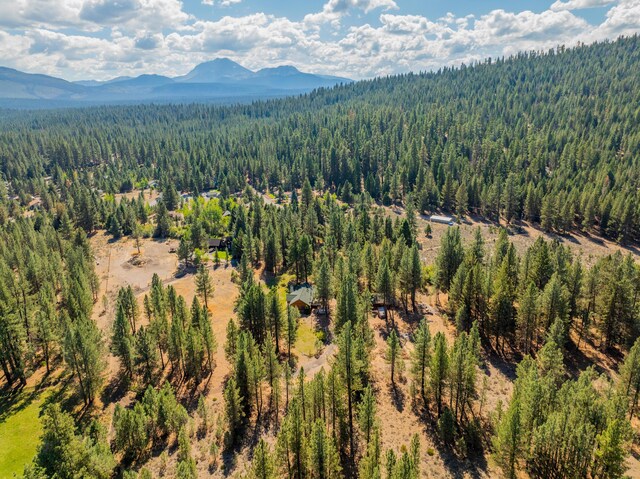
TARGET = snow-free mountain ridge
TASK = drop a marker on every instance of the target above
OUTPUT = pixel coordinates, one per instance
(214, 80)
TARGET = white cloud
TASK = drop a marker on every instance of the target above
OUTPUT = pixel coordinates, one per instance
(92, 15)
(157, 36)
(621, 19)
(222, 3)
(559, 5)
(38, 13)
(333, 10)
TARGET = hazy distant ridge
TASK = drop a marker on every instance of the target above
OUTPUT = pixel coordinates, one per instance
(219, 78)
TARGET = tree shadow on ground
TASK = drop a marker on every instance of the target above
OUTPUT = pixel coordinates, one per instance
(474, 465)
(115, 389)
(506, 366)
(398, 397)
(576, 359)
(13, 399)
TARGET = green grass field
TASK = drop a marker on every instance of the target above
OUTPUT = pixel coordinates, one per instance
(20, 429)
(307, 341)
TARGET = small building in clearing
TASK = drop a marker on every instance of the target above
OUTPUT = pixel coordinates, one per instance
(445, 220)
(219, 244)
(302, 297)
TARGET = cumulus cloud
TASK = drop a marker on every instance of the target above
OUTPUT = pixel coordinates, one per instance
(579, 4)
(92, 15)
(130, 37)
(333, 10)
(222, 3)
(621, 19)
(38, 13)
(106, 11)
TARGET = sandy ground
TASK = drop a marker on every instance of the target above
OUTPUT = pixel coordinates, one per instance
(151, 196)
(397, 418)
(114, 262)
(588, 247)
(399, 422)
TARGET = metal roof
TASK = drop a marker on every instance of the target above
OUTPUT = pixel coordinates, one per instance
(305, 294)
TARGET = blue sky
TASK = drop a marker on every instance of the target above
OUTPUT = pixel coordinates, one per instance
(296, 10)
(100, 39)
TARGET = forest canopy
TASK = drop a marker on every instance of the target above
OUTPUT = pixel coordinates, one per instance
(549, 137)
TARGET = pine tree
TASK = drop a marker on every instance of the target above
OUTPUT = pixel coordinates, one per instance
(65, 454)
(323, 282)
(233, 409)
(84, 354)
(450, 256)
(324, 461)
(293, 316)
(347, 302)
(630, 378)
(262, 465)
(421, 356)
(462, 200)
(204, 284)
(256, 372)
(405, 280)
(527, 317)
(393, 350)
(122, 341)
(508, 440)
(194, 354)
(548, 212)
(204, 414)
(370, 464)
(163, 223)
(416, 275)
(367, 414)
(349, 371)
(502, 309)
(463, 360)
(612, 449)
(275, 316)
(292, 447)
(131, 430)
(208, 338)
(46, 331)
(553, 302)
(384, 282)
(438, 369)
(146, 353)
(177, 343)
(184, 251)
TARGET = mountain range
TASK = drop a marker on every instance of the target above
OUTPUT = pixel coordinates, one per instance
(217, 80)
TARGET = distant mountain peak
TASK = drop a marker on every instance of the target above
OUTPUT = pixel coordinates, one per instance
(214, 79)
(215, 71)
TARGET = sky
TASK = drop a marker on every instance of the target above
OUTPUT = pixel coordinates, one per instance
(102, 39)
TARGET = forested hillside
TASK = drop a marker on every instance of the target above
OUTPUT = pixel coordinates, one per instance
(550, 138)
(256, 291)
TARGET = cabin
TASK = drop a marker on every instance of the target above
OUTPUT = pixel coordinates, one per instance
(35, 204)
(219, 244)
(445, 220)
(210, 194)
(377, 300)
(302, 297)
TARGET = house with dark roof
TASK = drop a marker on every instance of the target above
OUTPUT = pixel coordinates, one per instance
(219, 244)
(302, 297)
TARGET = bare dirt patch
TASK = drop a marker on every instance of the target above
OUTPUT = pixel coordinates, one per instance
(589, 247)
(118, 264)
